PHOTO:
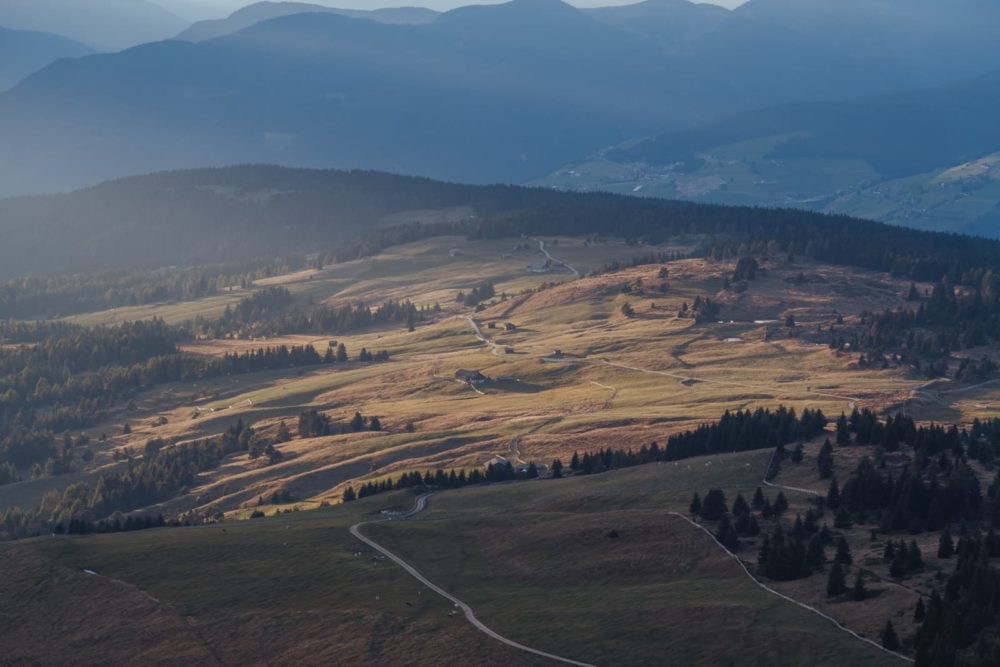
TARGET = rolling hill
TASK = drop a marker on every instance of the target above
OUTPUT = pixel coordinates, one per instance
(24, 51)
(920, 158)
(490, 93)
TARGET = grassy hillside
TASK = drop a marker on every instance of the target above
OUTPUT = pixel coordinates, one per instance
(529, 558)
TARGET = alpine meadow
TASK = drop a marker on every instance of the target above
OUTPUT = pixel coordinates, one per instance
(522, 333)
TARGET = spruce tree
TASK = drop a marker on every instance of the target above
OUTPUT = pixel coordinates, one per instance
(889, 638)
(758, 499)
(714, 505)
(780, 503)
(797, 454)
(833, 495)
(946, 546)
(858, 592)
(843, 552)
(349, 494)
(695, 507)
(740, 506)
(919, 612)
(835, 584)
(825, 461)
(557, 467)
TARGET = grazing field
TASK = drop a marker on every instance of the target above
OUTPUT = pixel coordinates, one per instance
(573, 373)
(528, 557)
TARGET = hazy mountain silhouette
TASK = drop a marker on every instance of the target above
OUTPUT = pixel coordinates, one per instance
(25, 51)
(264, 11)
(484, 93)
(102, 24)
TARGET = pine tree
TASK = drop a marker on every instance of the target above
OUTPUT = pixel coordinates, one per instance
(824, 461)
(843, 552)
(946, 546)
(740, 506)
(714, 505)
(914, 559)
(780, 503)
(835, 584)
(695, 507)
(726, 534)
(758, 499)
(833, 495)
(843, 433)
(557, 467)
(858, 592)
(889, 552)
(349, 494)
(919, 613)
(889, 639)
(574, 463)
(797, 454)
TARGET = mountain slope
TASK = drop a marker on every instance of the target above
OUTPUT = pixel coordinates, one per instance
(265, 11)
(103, 24)
(24, 51)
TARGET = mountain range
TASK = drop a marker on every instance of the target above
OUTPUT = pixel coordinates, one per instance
(926, 158)
(25, 51)
(265, 11)
(480, 94)
(104, 25)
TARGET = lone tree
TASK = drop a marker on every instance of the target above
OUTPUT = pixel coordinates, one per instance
(835, 584)
(889, 638)
(557, 469)
(714, 505)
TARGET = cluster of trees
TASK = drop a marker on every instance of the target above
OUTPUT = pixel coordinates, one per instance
(268, 313)
(56, 296)
(65, 377)
(441, 479)
(739, 431)
(963, 626)
(903, 558)
(477, 295)
(313, 424)
(163, 471)
(952, 318)
(918, 499)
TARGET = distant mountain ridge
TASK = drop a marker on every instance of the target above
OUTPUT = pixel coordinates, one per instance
(480, 94)
(25, 51)
(265, 11)
(107, 25)
(921, 158)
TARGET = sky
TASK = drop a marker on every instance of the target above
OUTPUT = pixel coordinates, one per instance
(194, 10)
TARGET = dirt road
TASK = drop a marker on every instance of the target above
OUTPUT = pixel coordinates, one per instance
(419, 506)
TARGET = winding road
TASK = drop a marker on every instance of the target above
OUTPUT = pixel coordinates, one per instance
(419, 506)
(548, 256)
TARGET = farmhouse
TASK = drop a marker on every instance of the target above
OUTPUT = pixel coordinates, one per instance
(510, 326)
(539, 266)
(470, 377)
